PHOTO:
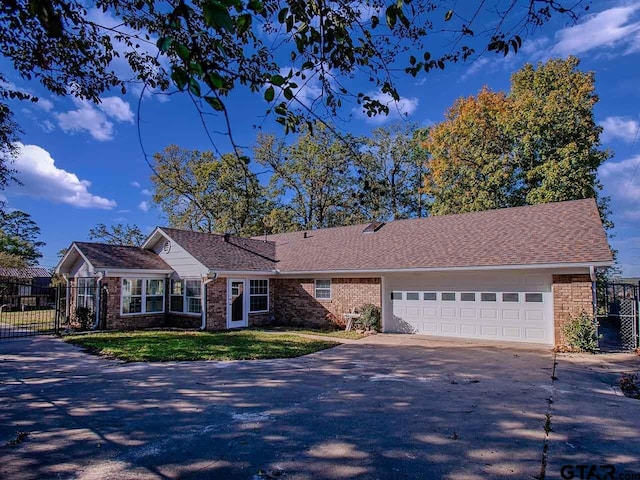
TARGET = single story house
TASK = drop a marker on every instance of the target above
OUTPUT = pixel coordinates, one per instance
(24, 287)
(512, 274)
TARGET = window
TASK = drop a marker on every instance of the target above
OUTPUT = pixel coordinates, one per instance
(533, 297)
(468, 297)
(413, 296)
(142, 295)
(323, 289)
(86, 291)
(488, 297)
(510, 297)
(258, 295)
(431, 296)
(449, 297)
(186, 296)
(396, 295)
(176, 302)
(193, 294)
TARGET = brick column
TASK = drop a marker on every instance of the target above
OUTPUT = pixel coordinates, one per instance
(217, 304)
(572, 295)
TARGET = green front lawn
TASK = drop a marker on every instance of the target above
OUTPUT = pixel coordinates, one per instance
(163, 346)
(41, 320)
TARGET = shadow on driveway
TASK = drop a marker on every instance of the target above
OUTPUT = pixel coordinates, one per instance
(430, 409)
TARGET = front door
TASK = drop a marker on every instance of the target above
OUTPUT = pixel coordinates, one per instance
(237, 310)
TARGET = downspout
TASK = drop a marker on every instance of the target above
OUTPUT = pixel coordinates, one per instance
(206, 279)
(67, 309)
(594, 292)
(99, 277)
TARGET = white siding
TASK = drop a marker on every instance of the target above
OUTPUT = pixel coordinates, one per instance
(80, 268)
(180, 260)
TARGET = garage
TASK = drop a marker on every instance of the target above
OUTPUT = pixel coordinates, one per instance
(513, 306)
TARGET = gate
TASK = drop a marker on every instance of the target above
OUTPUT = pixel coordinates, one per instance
(29, 309)
(618, 314)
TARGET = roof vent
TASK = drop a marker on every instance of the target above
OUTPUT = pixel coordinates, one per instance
(373, 227)
(227, 236)
(305, 235)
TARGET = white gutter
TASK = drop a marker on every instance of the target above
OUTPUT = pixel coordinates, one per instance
(99, 277)
(206, 279)
(538, 266)
(594, 291)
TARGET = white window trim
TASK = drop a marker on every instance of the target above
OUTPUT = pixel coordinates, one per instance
(184, 296)
(259, 295)
(315, 288)
(143, 297)
(85, 295)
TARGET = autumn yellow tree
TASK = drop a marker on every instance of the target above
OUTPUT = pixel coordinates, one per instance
(539, 143)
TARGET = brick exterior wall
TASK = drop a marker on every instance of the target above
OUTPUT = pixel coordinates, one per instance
(114, 321)
(572, 295)
(295, 302)
(217, 304)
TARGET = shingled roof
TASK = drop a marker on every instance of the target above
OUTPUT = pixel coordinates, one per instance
(104, 257)
(24, 273)
(554, 233)
(236, 254)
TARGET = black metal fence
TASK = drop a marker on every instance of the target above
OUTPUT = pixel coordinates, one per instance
(619, 313)
(28, 309)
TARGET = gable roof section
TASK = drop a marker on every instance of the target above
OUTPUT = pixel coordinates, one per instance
(549, 234)
(24, 273)
(118, 257)
(238, 254)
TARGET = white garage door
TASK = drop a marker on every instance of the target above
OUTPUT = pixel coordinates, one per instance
(511, 309)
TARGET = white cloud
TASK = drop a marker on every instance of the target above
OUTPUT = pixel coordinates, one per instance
(146, 191)
(47, 126)
(135, 184)
(86, 118)
(401, 109)
(44, 104)
(95, 121)
(622, 179)
(612, 28)
(41, 178)
(622, 128)
(116, 108)
(144, 206)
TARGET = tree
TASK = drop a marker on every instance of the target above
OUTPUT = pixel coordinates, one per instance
(390, 174)
(212, 47)
(198, 191)
(117, 234)
(471, 166)
(8, 260)
(18, 236)
(311, 177)
(538, 144)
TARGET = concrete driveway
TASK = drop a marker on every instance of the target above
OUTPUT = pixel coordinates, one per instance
(391, 407)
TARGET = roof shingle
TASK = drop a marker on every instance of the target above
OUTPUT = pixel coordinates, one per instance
(238, 254)
(553, 233)
(104, 256)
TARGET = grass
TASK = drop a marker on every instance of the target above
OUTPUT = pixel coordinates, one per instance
(40, 320)
(351, 335)
(163, 346)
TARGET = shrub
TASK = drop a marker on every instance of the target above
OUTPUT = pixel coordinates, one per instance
(580, 333)
(84, 317)
(369, 318)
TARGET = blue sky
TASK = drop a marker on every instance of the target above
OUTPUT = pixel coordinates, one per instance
(82, 164)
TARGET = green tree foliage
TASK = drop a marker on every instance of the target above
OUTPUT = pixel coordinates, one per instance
(8, 260)
(539, 143)
(199, 191)
(119, 234)
(211, 47)
(311, 177)
(390, 173)
(19, 237)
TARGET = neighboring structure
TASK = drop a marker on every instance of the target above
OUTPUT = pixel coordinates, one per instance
(24, 287)
(512, 274)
